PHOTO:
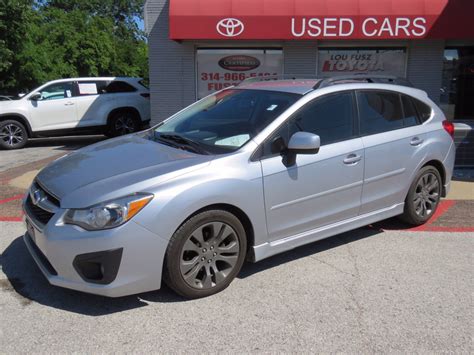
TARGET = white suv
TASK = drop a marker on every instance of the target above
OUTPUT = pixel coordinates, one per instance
(111, 106)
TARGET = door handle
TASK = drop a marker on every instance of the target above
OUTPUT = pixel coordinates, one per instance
(416, 141)
(352, 159)
(69, 104)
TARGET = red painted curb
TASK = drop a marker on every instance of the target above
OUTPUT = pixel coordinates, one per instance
(14, 198)
(443, 207)
(11, 219)
(449, 229)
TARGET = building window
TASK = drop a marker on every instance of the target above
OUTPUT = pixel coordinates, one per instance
(457, 88)
(224, 67)
(346, 61)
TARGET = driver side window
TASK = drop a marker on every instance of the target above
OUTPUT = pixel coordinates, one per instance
(57, 91)
(331, 117)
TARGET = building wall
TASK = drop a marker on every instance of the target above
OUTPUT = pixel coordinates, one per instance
(172, 77)
(172, 64)
(425, 66)
(300, 58)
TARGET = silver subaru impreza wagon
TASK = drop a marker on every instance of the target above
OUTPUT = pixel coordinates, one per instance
(243, 174)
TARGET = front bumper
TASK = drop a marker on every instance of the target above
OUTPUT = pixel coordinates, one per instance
(61, 250)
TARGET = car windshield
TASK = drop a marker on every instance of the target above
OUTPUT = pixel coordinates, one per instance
(224, 122)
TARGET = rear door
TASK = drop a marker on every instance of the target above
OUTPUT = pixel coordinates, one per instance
(90, 102)
(319, 189)
(393, 141)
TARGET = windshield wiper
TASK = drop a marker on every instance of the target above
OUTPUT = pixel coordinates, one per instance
(183, 142)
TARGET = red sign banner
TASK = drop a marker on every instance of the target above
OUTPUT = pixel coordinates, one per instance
(319, 19)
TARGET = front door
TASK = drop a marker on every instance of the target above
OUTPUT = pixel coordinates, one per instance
(319, 189)
(55, 109)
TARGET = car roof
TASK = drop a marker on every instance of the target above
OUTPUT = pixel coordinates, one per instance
(304, 86)
(108, 78)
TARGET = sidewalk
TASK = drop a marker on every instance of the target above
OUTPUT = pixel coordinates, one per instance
(462, 185)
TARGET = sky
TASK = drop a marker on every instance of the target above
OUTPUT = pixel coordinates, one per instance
(140, 23)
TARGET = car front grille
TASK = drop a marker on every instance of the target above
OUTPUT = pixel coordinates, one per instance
(38, 213)
(49, 196)
(43, 210)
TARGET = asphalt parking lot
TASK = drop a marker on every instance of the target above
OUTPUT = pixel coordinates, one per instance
(381, 288)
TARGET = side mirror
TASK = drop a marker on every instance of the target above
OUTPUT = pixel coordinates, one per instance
(35, 97)
(304, 143)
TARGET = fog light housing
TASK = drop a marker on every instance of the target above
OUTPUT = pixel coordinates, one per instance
(99, 267)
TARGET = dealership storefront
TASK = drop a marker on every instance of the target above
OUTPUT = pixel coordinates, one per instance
(200, 46)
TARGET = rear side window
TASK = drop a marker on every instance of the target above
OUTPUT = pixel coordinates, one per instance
(379, 112)
(424, 111)
(85, 88)
(118, 87)
(411, 116)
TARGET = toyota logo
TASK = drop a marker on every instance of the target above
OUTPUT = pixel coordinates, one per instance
(230, 27)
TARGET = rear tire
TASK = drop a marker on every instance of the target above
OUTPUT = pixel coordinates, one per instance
(123, 122)
(423, 197)
(205, 254)
(13, 135)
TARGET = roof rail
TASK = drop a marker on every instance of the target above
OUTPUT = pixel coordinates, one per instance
(280, 77)
(369, 78)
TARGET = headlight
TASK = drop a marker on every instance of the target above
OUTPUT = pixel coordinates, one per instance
(109, 214)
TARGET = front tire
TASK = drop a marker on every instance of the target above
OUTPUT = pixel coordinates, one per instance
(423, 197)
(13, 135)
(205, 254)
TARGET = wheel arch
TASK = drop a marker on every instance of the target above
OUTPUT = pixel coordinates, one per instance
(241, 215)
(20, 118)
(442, 172)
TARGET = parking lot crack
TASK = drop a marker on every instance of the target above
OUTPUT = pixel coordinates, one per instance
(333, 266)
(352, 290)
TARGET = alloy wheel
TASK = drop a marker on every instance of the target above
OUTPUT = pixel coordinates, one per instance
(209, 255)
(427, 194)
(124, 125)
(12, 135)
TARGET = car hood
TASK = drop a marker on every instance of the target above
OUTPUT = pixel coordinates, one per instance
(115, 168)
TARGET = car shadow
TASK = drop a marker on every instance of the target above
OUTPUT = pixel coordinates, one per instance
(336, 241)
(393, 223)
(26, 282)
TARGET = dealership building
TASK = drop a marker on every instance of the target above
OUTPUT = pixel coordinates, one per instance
(200, 46)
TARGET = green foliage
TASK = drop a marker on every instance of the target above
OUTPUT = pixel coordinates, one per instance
(14, 16)
(62, 38)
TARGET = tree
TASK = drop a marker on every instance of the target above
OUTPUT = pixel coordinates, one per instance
(63, 38)
(14, 19)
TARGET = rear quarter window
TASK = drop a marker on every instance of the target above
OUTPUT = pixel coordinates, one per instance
(424, 111)
(119, 87)
(411, 115)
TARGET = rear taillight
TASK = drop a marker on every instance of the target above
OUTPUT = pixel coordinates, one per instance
(449, 127)
(145, 95)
